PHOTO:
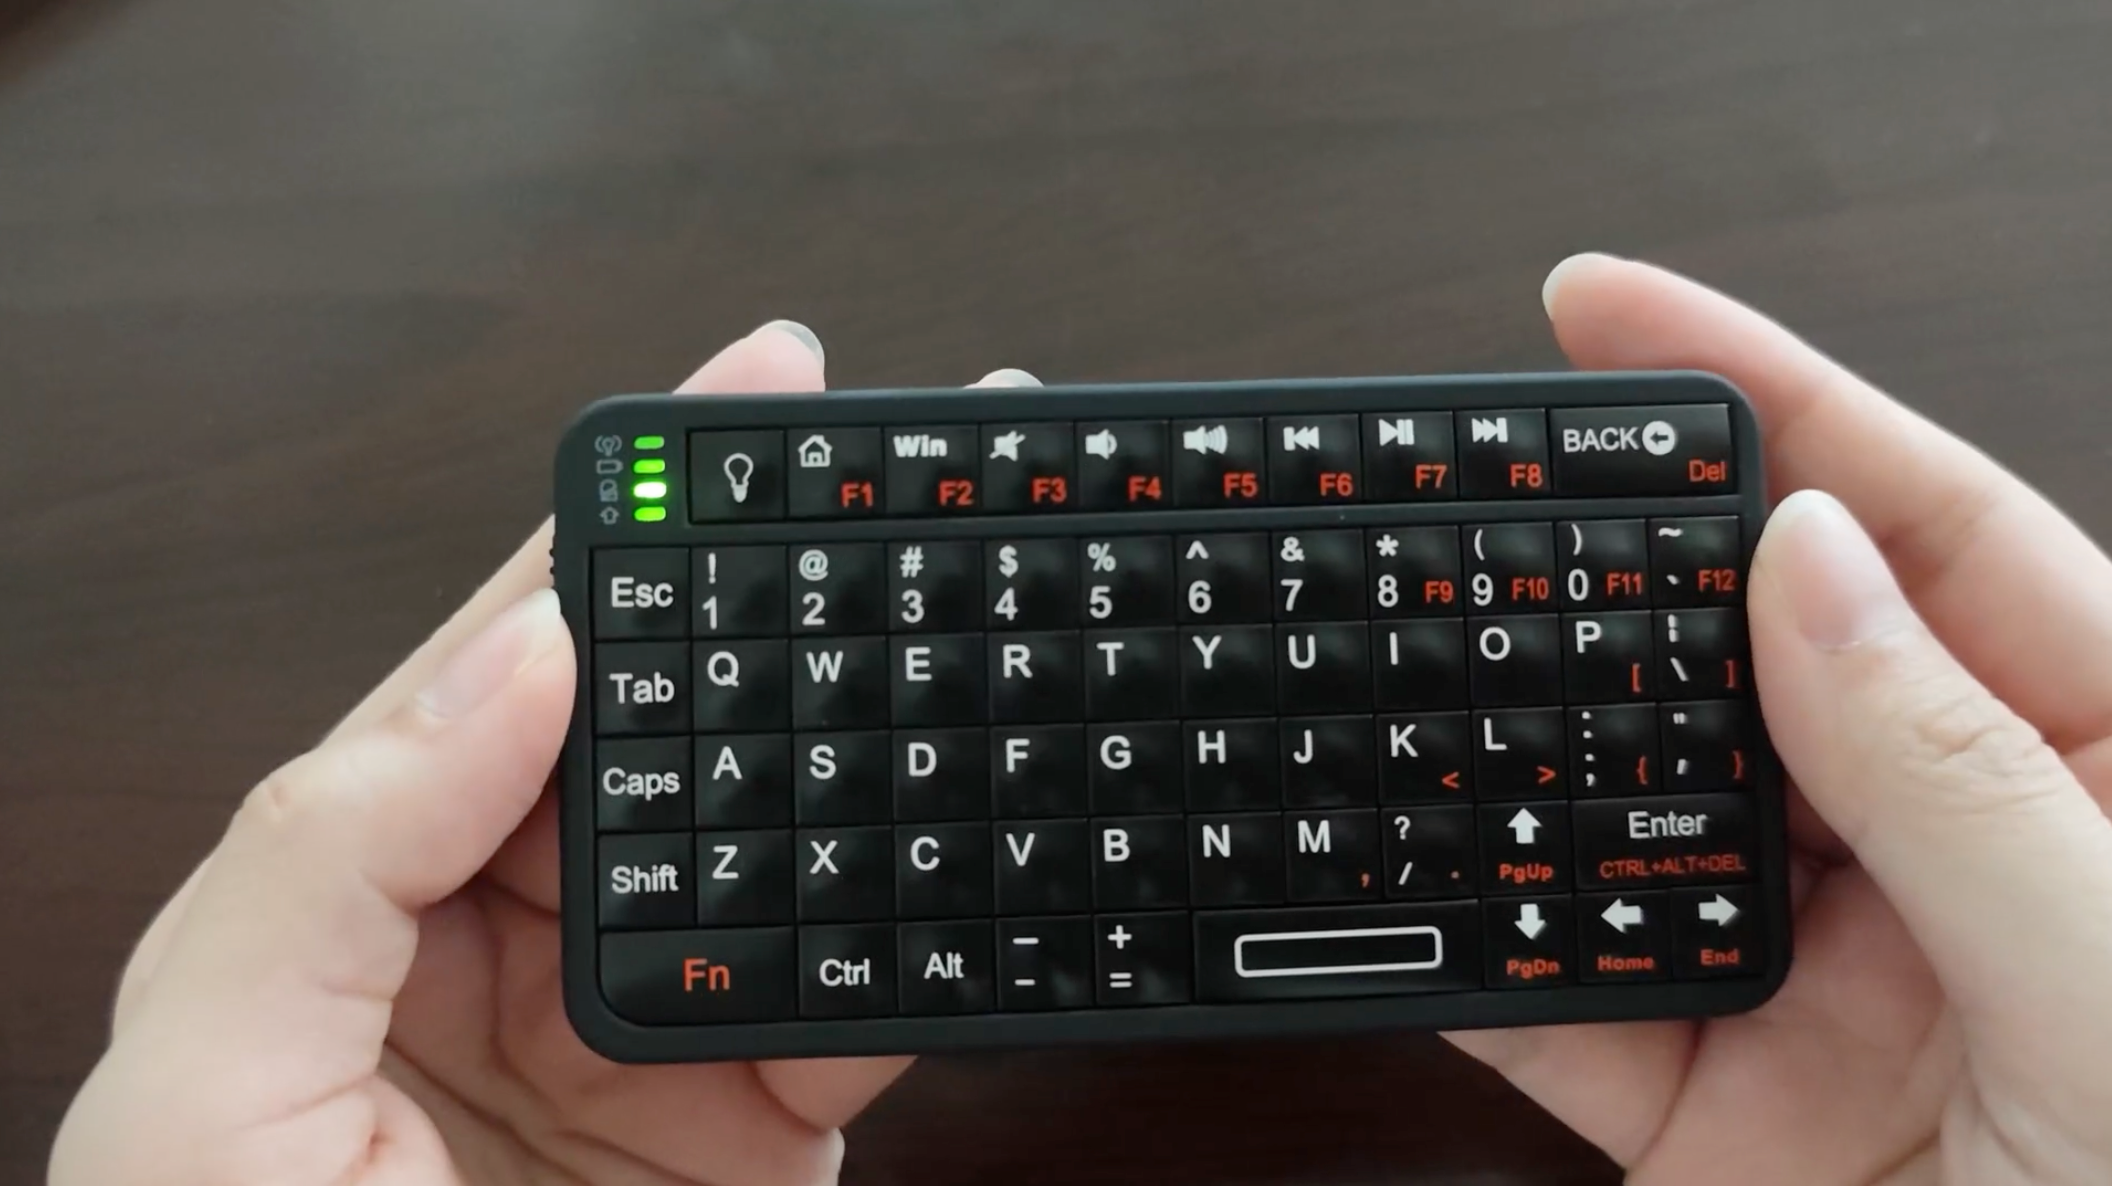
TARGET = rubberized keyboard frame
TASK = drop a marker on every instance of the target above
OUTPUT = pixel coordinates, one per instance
(579, 531)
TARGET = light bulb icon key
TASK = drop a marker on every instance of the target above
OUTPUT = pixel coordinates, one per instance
(739, 468)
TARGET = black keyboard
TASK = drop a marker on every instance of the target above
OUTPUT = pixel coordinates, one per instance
(926, 721)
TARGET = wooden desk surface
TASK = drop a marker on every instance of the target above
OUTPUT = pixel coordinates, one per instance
(293, 299)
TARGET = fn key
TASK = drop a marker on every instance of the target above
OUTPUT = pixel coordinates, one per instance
(688, 977)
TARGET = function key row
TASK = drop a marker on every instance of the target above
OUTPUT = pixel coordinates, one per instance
(1043, 584)
(825, 473)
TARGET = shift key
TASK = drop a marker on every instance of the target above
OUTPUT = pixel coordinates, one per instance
(1664, 840)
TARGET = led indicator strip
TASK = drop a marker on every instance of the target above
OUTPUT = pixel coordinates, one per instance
(649, 495)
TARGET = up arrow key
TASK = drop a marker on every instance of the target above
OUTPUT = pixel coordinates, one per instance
(1524, 825)
(1620, 916)
(1719, 911)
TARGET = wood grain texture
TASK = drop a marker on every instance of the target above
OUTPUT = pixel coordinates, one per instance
(295, 297)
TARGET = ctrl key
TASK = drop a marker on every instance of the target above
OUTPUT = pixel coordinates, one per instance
(699, 977)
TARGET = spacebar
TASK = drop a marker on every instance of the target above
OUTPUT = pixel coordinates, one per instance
(1337, 951)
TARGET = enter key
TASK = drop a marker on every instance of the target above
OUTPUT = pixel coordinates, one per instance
(1665, 840)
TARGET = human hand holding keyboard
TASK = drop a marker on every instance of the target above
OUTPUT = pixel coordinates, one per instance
(319, 1003)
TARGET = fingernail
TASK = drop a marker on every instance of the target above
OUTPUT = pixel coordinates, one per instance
(1008, 377)
(806, 337)
(487, 662)
(1562, 272)
(1839, 588)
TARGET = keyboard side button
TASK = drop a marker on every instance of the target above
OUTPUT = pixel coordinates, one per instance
(1502, 454)
(1044, 963)
(1531, 942)
(1524, 847)
(847, 971)
(946, 967)
(699, 977)
(1337, 951)
(1143, 959)
(641, 593)
(1408, 458)
(1623, 938)
(641, 687)
(1662, 449)
(1716, 932)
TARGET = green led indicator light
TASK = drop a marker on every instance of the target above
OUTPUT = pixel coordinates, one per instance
(648, 444)
(650, 491)
(649, 514)
(649, 465)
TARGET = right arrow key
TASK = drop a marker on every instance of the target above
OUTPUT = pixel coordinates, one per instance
(1716, 932)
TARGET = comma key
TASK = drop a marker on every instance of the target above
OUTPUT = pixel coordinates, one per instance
(699, 977)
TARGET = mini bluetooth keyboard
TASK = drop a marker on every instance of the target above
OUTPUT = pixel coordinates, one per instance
(924, 721)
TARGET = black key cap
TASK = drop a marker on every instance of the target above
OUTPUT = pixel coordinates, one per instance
(1613, 751)
(1666, 840)
(1139, 862)
(1030, 584)
(1510, 567)
(1028, 467)
(1502, 454)
(1524, 847)
(699, 977)
(1327, 761)
(1701, 652)
(1531, 942)
(1707, 745)
(1666, 449)
(1131, 674)
(937, 679)
(1605, 564)
(847, 971)
(841, 778)
(1414, 571)
(838, 589)
(839, 683)
(640, 687)
(941, 774)
(1319, 575)
(1231, 764)
(1122, 465)
(1608, 659)
(835, 474)
(1429, 851)
(932, 471)
(1325, 667)
(1043, 867)
(1143, 959)
(1408, 458)
(1337, 951)
(1127, 581)
(845, 874)
(737, 592)
(742, 684)
(1420, 663)
(646, 882)
(946, 967)
(1223, 578)
(935, 588)
(1515, 660)
(1038, 770)
(736, 476)
(744, 878)
(1227, 671)
(1518, 754)
(1217, 463)
(744, 781)
(641, 593)
(642, 785)
(1332, 856)
(1425, 758)
(1313, 459)
(1134, 768)
(1715, 932)
(942, 870)
(1623, 938)
(1044, 963)
(1034, 677)
(1697, 561)
(1236, 860)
